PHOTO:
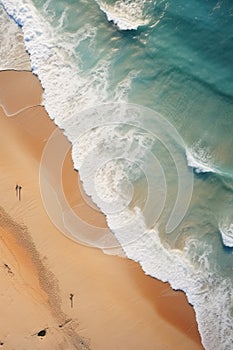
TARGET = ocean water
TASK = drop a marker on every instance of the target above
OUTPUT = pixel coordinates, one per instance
(12, 48)
(144, 91)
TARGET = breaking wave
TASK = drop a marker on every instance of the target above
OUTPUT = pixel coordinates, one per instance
(126, 15)
(69, 90)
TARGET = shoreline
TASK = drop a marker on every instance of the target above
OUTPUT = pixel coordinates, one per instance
(135, 309)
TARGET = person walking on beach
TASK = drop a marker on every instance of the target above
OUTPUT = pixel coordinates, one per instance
(20, 187)
(71, 299)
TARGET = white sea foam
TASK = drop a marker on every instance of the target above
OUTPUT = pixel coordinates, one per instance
(130, 15)
(12, 53)
(124, 86)
(200, 159)
(126, 15)
(52, 59)
(226, 229)
(208, 296)
(66, 91)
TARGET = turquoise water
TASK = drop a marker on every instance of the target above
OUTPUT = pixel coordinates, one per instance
(177, 61)
(183, 64)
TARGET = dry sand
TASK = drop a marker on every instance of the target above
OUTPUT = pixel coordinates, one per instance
(115, 305)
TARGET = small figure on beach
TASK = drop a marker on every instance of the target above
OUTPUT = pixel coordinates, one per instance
(20, 188)
(71, 299)
(16, 189)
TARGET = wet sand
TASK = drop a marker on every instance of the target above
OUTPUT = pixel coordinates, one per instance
(115, 305)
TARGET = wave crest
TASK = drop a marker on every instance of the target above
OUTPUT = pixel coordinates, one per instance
(226, 230)
(126, 15)
(200, 159)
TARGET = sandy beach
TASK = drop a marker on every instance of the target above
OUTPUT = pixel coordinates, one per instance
(114, 305)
